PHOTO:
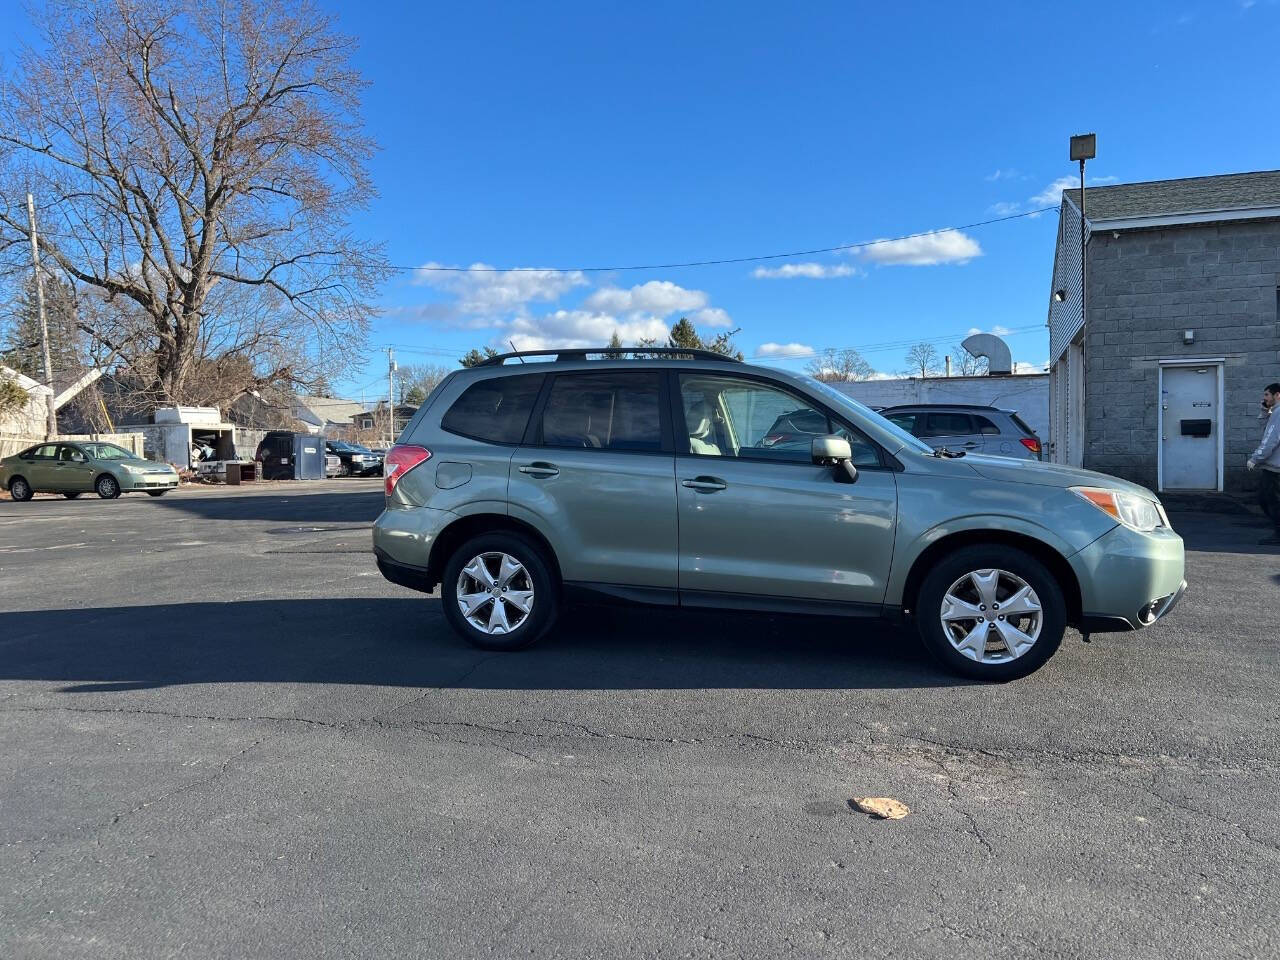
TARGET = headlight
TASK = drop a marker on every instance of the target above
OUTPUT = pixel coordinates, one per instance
(130, 468)
(1128, 508)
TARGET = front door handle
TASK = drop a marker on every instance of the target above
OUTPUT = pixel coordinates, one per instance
(704, 484)
(970, 445)
(540, 470)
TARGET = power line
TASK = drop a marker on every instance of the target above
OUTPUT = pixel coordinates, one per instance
(722, 261)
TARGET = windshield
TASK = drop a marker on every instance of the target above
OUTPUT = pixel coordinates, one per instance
(843, 400)
(107, 451)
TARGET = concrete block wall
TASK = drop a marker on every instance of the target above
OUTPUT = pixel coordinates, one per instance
(1145, 288)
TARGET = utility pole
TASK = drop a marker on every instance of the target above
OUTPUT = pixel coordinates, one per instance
(391, 396)
(51, 425)
(1083, 147)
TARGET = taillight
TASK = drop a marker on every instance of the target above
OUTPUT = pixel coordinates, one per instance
(1032, 444)
(402, 458)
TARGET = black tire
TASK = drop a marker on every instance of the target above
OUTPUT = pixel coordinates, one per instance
(71, 496)
(546, 591)
(156, 493)
(1053, 611)
(107, 487)
(19, 489)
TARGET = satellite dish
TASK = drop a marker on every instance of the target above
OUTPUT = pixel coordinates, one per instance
(988, 345)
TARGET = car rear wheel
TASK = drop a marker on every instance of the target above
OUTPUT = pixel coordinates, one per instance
(156, 493)
(19, 489)
(499, 592)
(71, 496)
(108, 487)
(991, 613)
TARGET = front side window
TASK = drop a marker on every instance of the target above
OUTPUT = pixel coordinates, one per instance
(608, 411)
(70, 455)
(108, 451)
(728, 417)
(496, 411)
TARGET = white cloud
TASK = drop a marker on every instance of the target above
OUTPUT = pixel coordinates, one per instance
(813, 271)
(580, 328)
(942, 246)
(1009, 173)
(711, 317)
(481, 289)
(1020, 366)
(1051, 195)
(658, 297)
(1005, 208)
(998, 330)
(785, 350)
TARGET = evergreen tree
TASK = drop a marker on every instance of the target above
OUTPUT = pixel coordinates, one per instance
(21, 348)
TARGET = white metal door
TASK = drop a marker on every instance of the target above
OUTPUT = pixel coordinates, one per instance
(1189, 427)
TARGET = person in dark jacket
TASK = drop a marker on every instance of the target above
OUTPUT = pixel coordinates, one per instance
(1267, 460)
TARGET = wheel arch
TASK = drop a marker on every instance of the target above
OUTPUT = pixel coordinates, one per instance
(475, 524)
(1046, 553)
(17, 476)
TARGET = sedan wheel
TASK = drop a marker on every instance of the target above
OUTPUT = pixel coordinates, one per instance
(19, 489)
(108, 487)
(71, 496)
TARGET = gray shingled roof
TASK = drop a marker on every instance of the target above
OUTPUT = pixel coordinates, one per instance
(1161, 198)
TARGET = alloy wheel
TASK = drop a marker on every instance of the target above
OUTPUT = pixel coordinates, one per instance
(991, 616)
(495, 593)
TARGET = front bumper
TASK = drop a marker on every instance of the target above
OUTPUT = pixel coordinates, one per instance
(148, 481)
(1129, 580)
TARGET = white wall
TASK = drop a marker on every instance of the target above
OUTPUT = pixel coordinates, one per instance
(1026, 393)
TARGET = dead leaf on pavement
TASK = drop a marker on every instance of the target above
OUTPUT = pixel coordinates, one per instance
(883, 808)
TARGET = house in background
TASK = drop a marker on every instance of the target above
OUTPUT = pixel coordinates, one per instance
(330, 416)
(32, 419)
(1158, 379)
(371, 425)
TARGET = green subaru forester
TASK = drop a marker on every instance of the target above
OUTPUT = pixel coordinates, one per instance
(689, 479)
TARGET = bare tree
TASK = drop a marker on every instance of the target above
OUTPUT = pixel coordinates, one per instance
(922, 360)
(416, 380)
(966, 364)
(195, 166)
(833, 366)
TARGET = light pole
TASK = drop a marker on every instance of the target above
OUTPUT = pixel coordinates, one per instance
(1083, 147)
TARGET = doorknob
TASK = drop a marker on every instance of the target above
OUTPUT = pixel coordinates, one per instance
(704, 484)
(540, 470)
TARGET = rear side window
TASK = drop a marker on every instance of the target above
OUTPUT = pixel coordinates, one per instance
(46, 452)
(948, 425)
(985, 426)
(496, 411)
(608, 411)
(1021, 425)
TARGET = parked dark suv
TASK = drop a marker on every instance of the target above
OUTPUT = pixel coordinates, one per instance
(688, 479)
(357, 461)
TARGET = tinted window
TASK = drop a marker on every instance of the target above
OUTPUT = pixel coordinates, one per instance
(948, 425)
(907, 421)
(1021, 425)
(610, 411)
(727, 417)
(494, 410)
(984, 425)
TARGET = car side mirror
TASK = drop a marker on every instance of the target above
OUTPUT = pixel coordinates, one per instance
(833, 451)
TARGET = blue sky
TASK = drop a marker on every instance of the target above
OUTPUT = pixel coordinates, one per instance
(561, 135)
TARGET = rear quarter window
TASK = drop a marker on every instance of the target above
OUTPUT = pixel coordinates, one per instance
(496, 411)
(1021, 425)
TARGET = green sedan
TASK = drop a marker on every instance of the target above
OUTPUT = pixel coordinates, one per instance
(75, 468)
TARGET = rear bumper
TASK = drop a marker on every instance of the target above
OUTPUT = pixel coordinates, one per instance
(402, 574)
(402, 542)
(1129, 580)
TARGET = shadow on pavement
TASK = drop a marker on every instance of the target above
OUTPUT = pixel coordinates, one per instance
(358, 506)
(406, 642)
(1214, 533)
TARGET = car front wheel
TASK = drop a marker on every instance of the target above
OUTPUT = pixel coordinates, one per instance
(991, 613)
(19, 489)
(499, 592)
(107, 486)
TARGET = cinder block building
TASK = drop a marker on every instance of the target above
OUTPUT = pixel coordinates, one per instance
(1157, 379)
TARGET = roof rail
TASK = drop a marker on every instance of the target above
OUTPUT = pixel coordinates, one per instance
(581, 353)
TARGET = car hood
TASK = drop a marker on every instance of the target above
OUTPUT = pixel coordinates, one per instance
(1049, 474)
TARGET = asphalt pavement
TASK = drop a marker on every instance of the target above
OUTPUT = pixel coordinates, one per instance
(222, 734)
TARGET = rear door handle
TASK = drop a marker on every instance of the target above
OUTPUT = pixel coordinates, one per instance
(540, 470)
(704, 484)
